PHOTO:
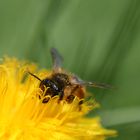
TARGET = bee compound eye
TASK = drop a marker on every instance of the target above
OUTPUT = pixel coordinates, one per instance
(46, 82)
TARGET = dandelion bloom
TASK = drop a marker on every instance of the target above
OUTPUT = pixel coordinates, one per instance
(24, 117)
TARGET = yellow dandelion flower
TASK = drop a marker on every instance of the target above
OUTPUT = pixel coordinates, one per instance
(23, 116)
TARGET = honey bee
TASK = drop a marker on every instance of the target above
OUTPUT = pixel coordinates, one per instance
(66, 85)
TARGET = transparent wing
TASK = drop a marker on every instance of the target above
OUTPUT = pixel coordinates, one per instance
(57, 60)
(76, 80)
(98, 85)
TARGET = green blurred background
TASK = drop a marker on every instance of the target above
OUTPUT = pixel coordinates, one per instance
(100, 41)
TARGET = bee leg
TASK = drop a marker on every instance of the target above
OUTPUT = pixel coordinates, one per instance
(78, 91)
(81, 102)
(45, 100)
(61, 95)
(74, 89)
(70, 98)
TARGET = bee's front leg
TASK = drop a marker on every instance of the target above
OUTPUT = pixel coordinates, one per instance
(61, 95)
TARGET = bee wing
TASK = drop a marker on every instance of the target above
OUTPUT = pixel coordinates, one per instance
(98, 85)
(76, 80)
(57, 60)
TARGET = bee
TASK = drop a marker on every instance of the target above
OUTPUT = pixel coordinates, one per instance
(63, 84)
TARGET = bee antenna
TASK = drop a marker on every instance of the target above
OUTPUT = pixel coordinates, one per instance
(34, 76)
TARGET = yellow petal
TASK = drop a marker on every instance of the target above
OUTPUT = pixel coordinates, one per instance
(24, 117)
